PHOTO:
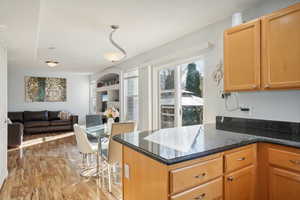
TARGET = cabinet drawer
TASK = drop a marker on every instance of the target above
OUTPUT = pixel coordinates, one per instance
(239, 159)
(285, 159)
(210, 191)
(188, 177)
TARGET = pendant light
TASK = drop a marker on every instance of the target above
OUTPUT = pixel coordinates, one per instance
(115, 56)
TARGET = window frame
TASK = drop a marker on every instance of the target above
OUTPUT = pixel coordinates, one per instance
(125, 90)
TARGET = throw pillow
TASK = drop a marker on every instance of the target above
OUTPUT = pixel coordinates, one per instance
(64, 115)
(9, 121)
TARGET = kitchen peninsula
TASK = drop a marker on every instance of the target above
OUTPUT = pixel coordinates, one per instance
(197, 162)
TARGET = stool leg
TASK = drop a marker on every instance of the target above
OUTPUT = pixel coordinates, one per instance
(109, 177)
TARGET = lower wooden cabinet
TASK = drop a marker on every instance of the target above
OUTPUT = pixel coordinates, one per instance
(255, 172)
(212, 190)
(239, 185)
(284, 184)
(200, 179)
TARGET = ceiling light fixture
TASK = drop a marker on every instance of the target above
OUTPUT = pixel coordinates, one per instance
(51, 63)
(115, 56)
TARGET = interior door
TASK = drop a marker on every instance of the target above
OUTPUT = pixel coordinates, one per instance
(3, 114)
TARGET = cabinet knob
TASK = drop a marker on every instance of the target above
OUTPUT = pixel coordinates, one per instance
(200, 197)
(230, 178)
(201, 175)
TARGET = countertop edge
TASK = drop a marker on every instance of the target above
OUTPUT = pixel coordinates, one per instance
(209, 152)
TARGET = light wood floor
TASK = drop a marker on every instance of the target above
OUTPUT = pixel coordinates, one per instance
(50, 171)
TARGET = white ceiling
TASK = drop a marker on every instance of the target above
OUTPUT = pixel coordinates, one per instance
(79, 29)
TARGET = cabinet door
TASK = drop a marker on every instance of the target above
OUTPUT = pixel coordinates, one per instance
(242, 57)
(239, 185)
(281, 49)
(284, 184)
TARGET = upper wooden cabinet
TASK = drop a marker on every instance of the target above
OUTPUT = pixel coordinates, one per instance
(242, 57)
(281, 48)
(264, 54)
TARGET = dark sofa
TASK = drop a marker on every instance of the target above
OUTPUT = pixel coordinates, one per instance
(36, 122)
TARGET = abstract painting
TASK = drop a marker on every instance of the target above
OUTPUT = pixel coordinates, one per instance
(45, 89)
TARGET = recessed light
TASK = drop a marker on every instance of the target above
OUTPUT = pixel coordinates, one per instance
(52, 63)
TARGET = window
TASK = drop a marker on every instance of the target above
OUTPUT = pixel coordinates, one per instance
(131, 102)
(181, 94)
(192, 93)
(93, 98)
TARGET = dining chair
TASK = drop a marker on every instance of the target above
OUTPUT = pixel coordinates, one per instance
(86, 148)
(114, 152)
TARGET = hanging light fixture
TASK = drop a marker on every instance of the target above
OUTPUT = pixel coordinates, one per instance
(52, 63)
(115, 56)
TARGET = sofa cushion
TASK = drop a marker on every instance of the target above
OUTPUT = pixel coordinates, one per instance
(60, 122)
(35, 116)
(34, 124)
(53, 115)
(16, 116)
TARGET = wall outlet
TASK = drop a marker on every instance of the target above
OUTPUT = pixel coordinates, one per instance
(247, 109)
(126, 171)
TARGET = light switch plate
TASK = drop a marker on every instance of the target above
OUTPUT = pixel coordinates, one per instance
(126, 171)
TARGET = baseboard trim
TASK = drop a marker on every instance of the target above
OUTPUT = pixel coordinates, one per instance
(3, 176)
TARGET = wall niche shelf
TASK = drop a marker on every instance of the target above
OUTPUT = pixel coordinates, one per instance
(108, 92)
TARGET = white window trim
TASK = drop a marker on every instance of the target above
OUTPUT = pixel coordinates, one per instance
(124, 95)
(156, 88)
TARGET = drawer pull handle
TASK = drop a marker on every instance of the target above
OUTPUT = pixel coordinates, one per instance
(201, 175)
(296, 162)
(241, 159)
(200, 197)
(230, 178)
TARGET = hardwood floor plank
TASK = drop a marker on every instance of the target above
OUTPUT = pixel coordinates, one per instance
(51, 171)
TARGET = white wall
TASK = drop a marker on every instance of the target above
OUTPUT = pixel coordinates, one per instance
(77, 92)
(276, 105)
(3, 115)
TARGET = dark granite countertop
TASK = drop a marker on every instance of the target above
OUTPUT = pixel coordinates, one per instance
(175, 145)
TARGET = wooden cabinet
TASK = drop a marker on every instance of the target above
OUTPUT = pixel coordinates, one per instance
(278, 172)
(143, 178)
(281, 49)
(284, 159)
(264, 54)
(239, 159)
(191, 176)
(212, 190)
(284, 184)
(275, 176)
(242, 57)
(240, 184)
(203, 178)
